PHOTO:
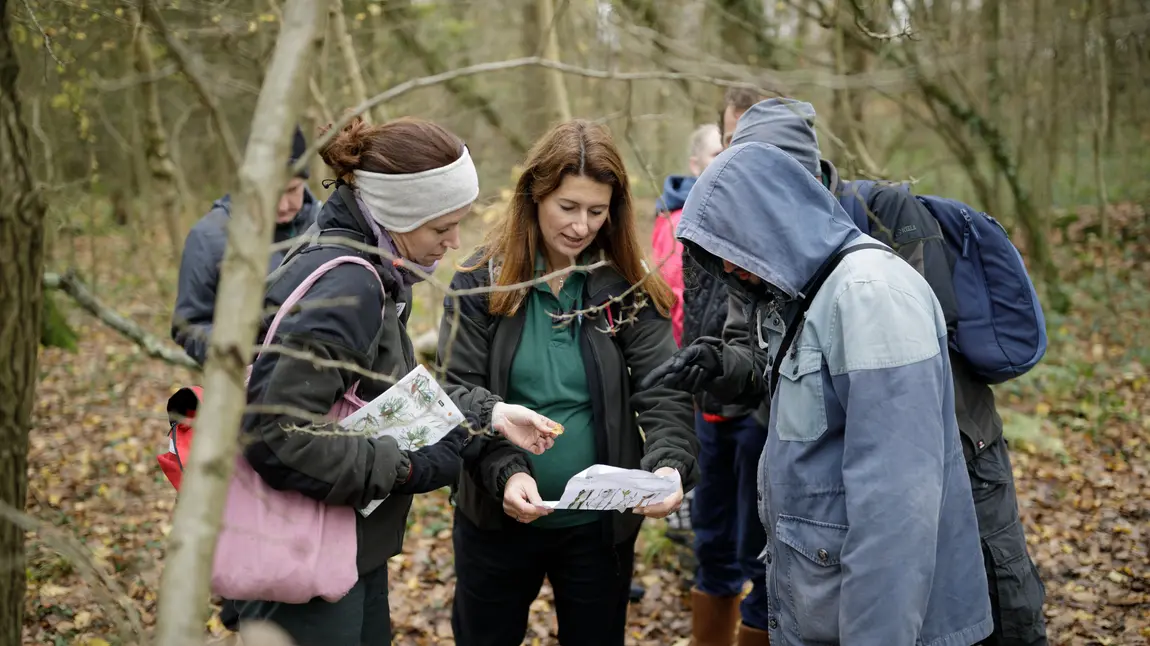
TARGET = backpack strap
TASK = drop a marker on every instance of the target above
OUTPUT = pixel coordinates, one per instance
(307, 283)
(809, 292)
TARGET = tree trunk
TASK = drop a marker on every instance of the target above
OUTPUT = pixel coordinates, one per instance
(185, 584)
(347, 53)
(22, 248)
(160, 165)
(549, 37)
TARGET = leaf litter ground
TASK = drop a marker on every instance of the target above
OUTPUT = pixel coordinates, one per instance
(1079, 426)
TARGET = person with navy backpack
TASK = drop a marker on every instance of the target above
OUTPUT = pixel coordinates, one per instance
(996, 331)
(862, 489)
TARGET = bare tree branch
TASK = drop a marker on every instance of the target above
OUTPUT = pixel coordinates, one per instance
(825, 79)
(194, 68)
(154, 347)
(129, 82)
(43, 34)
(103, 585)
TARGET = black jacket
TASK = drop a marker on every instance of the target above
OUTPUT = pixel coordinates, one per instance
(200, 270)
(344, 317)
(633, 429)
(705, 314)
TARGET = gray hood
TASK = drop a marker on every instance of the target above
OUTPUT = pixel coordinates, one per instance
(757, 207)
(786, 123)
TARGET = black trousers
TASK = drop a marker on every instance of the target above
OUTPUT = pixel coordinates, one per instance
(499, 574)
(1016, 590)
(361, 618)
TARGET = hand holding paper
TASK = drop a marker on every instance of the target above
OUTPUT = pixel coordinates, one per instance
(604, 488)
(670, 504)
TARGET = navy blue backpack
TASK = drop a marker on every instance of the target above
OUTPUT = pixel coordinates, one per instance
(1001, 330)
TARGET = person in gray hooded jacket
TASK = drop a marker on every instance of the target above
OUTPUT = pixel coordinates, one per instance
(899, 220)
(862, 485)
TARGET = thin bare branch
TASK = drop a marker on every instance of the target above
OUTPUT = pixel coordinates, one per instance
(828, 80)
(103, 585)
(43, 34)
(194, 68)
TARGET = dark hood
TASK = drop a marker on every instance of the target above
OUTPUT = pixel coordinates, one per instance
(675, 191)
(302, 220)
(759, 208)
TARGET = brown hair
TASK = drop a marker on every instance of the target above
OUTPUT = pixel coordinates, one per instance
(739, 98)
(398, 147)
(583, 149)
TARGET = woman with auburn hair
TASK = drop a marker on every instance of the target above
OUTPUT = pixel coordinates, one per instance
(572, 347)
(404, 187)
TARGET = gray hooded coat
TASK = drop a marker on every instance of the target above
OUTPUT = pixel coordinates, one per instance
(863, 490)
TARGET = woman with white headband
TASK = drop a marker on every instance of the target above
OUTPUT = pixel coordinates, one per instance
(403, 189)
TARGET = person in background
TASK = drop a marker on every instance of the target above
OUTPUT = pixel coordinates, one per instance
(873, 537)
(573, 348)
(728, 534)
(404, 187)
(204, 251)
(1016, 588)
(704, 144)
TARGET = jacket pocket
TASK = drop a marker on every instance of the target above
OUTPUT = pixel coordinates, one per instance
(1016, 590)
(802, 411)
(990, 478)
(812, 575)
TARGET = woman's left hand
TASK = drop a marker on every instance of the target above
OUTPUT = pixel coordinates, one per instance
(670, 504)
(524, 427)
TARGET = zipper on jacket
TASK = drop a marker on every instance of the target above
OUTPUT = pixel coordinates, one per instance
(966, 229)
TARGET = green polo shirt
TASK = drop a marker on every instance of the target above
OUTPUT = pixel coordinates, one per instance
(547, 376)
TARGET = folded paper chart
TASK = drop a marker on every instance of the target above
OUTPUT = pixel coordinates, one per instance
(415, 411)
(605, 488)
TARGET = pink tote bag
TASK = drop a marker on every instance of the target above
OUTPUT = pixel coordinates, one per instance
(281, 545)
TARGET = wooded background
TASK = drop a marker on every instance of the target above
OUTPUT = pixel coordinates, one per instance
(1034, 110)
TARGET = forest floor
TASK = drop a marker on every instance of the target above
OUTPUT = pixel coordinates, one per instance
(1080, 425)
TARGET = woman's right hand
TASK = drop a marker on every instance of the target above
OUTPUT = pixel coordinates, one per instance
(521, 499)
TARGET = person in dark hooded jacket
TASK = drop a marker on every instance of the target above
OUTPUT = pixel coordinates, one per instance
(204, 250)
(404, 187)
(905, 224)
(872, 534)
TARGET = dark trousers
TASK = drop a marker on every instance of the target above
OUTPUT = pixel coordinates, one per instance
(361, 618)
(729, 537)
(1016, 590)
(499, 573)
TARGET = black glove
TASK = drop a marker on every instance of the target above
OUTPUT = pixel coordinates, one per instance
(690, 368)
(434, 466)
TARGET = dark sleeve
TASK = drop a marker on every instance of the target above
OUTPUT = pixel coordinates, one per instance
(438, 465)
(287, 449)
(463, 355)
(665, 415)
(196, 291)
(905, 224)
(744, 364)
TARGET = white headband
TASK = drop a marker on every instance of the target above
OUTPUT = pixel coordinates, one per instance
(403, 203)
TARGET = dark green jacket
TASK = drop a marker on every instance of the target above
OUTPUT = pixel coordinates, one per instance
(478, 363)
